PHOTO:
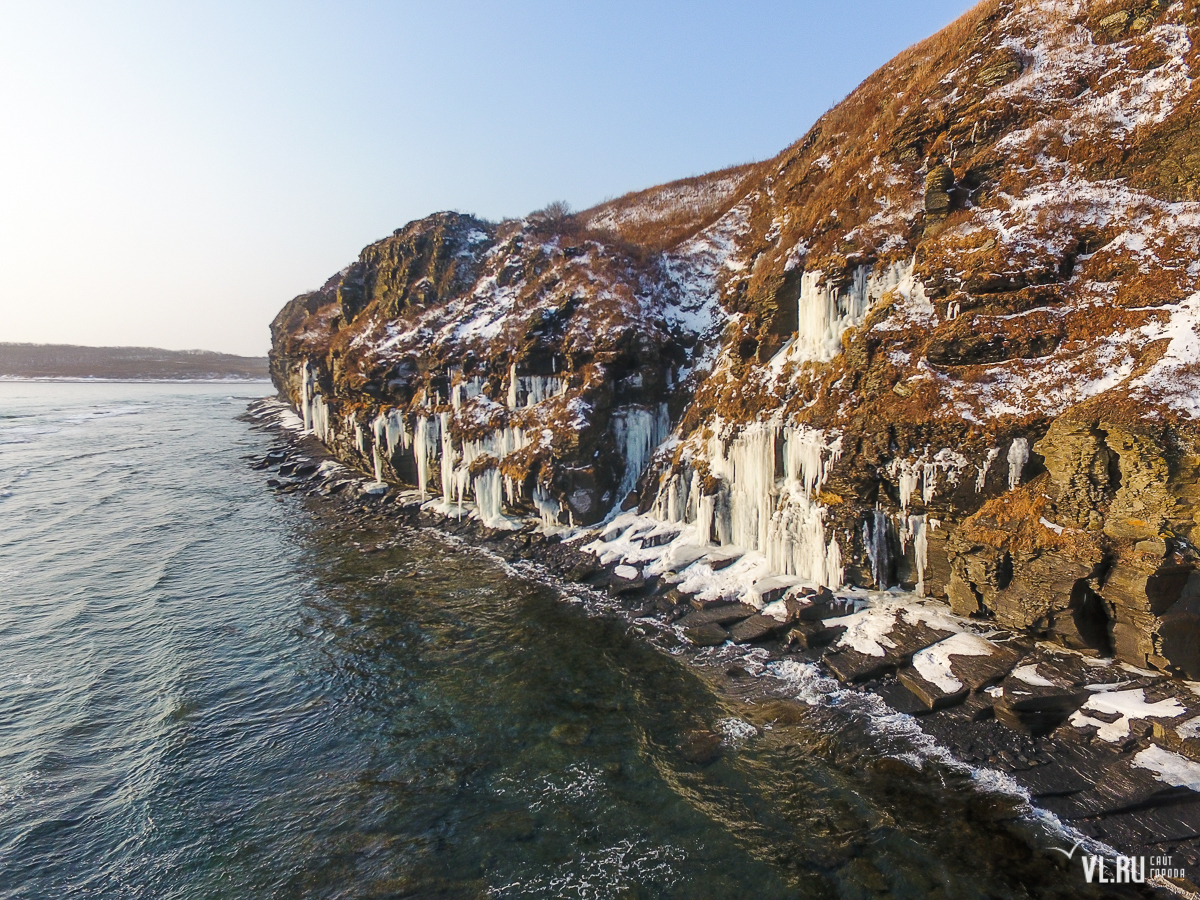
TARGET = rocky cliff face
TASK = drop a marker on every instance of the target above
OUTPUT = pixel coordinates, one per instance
(945, 341)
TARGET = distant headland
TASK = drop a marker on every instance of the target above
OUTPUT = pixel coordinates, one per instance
(126, 363)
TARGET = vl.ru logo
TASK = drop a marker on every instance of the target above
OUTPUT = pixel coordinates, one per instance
(1124, 869)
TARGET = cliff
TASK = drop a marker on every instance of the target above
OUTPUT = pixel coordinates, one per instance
(947, 340)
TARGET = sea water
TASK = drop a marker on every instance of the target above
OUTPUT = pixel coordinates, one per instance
(210, 691)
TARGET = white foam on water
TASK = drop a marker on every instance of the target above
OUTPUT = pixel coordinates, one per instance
(736, 731)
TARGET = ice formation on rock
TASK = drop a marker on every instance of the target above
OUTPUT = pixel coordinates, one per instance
(525, 391)
(638, 432)
(826, 311)
(1018, 456)
(759, 507)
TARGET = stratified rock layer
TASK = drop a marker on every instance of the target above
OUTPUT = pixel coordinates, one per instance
(947, 340)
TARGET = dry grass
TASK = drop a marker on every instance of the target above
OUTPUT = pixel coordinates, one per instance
(661, 217)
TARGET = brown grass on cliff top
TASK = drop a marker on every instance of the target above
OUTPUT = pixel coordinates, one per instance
(661, 217)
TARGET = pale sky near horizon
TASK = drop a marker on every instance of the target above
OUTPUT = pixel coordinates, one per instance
(172, 174)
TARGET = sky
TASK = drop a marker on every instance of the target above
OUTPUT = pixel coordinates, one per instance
(172, 173)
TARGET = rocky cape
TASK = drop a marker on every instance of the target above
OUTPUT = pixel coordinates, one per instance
(946, 341)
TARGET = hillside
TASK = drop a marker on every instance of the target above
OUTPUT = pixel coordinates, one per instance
(125, 363)
(947, 340)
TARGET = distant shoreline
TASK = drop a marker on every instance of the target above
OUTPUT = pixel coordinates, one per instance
(78, 379)
(68, 362)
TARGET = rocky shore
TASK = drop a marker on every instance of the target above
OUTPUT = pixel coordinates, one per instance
(1111, 751)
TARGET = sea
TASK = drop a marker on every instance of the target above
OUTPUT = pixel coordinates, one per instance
(211, 690)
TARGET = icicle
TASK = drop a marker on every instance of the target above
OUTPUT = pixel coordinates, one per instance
(910, 477)
(550, 508)
(306, 396)
(920, 539)
(487, 498)
(981, 480)
(1018, 456)
(530, 390)
(448, 493)
(875, 538)
(394, 435)
(423, 442)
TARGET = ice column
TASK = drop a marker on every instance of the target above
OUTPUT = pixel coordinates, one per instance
(779, 517)
(638, 431)
(1018, 456)
(826, 312)
(875, 539)
(424, 436)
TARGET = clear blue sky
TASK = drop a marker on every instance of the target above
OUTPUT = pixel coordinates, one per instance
(172, 173)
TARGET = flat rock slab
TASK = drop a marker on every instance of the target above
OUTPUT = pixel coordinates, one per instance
(722, 560)
(979, 671)
(1047, 686)
(932, 696)
(1179, 734)
(811, 635)
(724, 614)
(1037, 712)
(681, 556)
(708, 635)
(850, 665)
(756, 628)
(768, 590)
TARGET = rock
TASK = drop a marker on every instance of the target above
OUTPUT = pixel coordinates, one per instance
(930, 694)
(850, 665)
(755, 628)
(813, 635)
(1041, 693)
(583, 568)
(768, 590)
(570, 734)
(721, 559)
(700, 746)
(938, 184)
(1000, 68)
(660, 538)
(626, 580)
(721, 614)
(709, 635)
(818, 607)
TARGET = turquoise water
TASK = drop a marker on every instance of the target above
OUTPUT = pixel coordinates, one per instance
(212, 692)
